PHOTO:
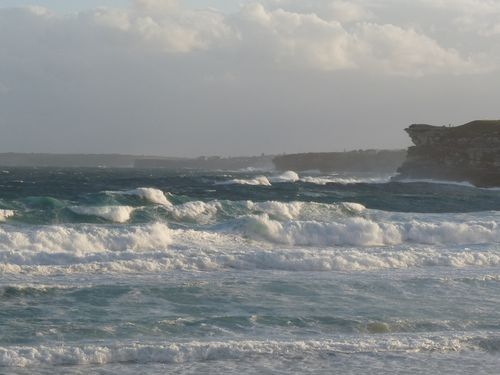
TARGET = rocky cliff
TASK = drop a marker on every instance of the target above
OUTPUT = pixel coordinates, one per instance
(469, 152)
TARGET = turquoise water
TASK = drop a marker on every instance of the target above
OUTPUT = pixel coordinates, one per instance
(151, 271)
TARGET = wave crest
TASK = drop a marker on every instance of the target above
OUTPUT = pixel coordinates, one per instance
(361, 231)
(256, 181)
(5, 214)
(150, 194)
(288, 176)
(117, 214)
(195, 351)
(82, 239)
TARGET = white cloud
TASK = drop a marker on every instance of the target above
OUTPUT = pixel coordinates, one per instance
(305, 40)
(473, 16)
(155, 6)
(259, 73)
(272, 37)
(339, 10)
(165, 25)
(289, 39)
(395, 50)
(348, 11)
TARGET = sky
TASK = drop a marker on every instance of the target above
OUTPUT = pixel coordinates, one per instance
(203, 77)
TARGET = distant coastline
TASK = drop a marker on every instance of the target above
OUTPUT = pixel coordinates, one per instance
(352, 161)
(14, 159)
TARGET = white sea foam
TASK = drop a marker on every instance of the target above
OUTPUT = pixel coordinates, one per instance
(275, 237)
(345, 180)
(280, 210)
(356, 231)
(256, 181)
(433, 181)
(353, 207)
(159, 249)
(305, 210)
(292, 223)
(197, 351)
(117, 214)
(4, 214)
(31, 288)
(288, 176)
(198, 211)
(150, 194)
(82, 239)
(211, 259)
(360, 231)
(472, 279)
(202, 212)
(317, 180)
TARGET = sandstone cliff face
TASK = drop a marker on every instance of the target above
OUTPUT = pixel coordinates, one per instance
(469, 152)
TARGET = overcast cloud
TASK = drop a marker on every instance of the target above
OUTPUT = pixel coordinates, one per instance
(159, 77)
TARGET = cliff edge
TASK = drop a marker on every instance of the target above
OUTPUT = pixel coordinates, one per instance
(469, 152)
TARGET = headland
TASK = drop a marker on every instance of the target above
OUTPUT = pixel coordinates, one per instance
(468, 153)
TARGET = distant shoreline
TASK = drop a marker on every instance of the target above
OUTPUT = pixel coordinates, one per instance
(360, 160)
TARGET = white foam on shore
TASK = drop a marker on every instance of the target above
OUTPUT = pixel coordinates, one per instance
(117, 214)
(198, 351)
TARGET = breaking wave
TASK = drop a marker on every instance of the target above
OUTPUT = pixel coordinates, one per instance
(198, 351)
(5, 214)
(344, 180)
(197, 211)
(117, 214)
(256, 181)
(435, 181)
(288, 176)
(81, 239)
(156, 248)
(291, 176)
(150, 194)
(360, 231)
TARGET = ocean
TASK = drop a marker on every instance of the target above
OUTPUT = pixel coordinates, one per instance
(136, 271)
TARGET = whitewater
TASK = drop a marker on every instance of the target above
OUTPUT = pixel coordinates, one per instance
(125, 271)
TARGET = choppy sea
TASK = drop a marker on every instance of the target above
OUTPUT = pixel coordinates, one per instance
(129, 271)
